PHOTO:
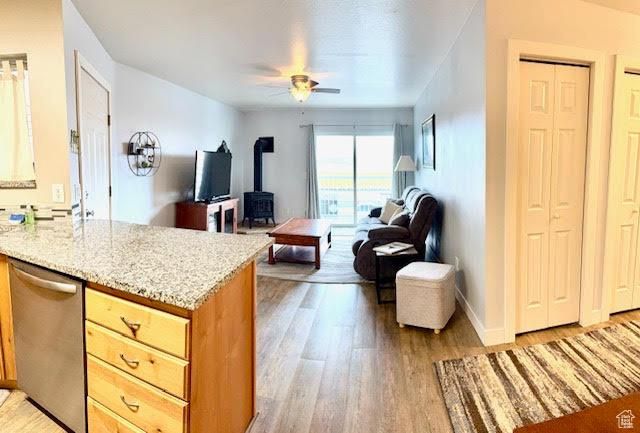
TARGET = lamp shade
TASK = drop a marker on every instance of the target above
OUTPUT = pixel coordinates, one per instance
(405, 163)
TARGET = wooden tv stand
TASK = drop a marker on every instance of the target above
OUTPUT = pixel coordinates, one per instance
(198, 215)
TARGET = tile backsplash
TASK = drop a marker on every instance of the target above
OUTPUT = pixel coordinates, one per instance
(44, 214)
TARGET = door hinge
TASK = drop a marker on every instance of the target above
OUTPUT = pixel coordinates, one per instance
(109, 190)
(108, 119)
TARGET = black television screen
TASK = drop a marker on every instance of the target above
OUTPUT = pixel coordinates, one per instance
(213, 175)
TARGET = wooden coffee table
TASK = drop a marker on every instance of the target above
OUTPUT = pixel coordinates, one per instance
(302, 239)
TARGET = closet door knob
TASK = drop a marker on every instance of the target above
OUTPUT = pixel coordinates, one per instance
(556, 216)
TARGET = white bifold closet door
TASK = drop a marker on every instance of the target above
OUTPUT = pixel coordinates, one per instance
(622, 267)
(552, 146)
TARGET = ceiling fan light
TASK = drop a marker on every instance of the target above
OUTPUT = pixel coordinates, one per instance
(300, 94)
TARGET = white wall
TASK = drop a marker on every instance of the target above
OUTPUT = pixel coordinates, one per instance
(568, 22)
(456, 95)
(285, 170)
(183, 121)
(35, 28)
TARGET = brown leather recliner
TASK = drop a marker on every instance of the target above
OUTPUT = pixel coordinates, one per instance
(371, 232)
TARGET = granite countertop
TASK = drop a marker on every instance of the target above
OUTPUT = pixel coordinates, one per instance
(179, 267)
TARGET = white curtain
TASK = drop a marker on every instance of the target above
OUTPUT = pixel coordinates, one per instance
(401, 147)
(16, 154)
(313, 199)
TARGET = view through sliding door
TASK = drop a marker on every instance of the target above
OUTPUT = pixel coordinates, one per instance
(354, 175)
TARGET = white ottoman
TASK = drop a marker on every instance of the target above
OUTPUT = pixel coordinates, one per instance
(425, 295)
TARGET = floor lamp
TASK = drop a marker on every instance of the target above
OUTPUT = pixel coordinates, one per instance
(405, 164)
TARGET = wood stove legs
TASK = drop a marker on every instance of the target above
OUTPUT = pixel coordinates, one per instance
(266, 221)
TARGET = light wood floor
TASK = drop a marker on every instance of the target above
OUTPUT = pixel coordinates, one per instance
(17, 415)
(331, 360)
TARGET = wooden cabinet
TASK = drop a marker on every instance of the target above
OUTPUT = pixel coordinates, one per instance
(143, 405)
(8, 374)
(102, 420)
(156, 328)
(156, 368)
(210, 217)
(160, 369)
(153, 367)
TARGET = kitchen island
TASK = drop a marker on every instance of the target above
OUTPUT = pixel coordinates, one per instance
(170, 321)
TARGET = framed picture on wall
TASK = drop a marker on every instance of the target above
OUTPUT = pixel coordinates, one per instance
(429, 142)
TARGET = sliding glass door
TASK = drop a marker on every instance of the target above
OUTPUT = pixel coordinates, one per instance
(354, 173)
(374, 164)
(334, 157)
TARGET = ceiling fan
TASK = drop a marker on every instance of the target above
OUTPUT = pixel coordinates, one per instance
(303, 87)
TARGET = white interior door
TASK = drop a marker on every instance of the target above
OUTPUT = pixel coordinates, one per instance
(534, 177)
(622, 270)
(568, 164)
(94, 148)
(552, 151)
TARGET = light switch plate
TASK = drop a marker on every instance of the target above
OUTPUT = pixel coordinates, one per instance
(77, 193)
(57, 190)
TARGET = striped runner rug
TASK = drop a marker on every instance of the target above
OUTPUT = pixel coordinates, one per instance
(500, 391)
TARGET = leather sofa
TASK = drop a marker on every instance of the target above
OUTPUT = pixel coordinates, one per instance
(371, 232)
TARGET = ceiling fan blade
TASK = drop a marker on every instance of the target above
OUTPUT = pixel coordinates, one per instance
(274, 86)
(279, 93)
(313, 83)
(325, 90)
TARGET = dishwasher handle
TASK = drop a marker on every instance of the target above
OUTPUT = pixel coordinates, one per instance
(45, 284)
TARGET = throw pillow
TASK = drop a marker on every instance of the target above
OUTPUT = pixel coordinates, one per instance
(400, 219)
(389, 209)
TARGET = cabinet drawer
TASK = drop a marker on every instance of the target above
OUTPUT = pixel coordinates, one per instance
(102, 420)
(153, 327)
(158, 368)
(134, 400)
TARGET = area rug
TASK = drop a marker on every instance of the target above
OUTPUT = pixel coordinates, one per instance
(610, 417)
(256, 229)
(336, 266)
(500, 391)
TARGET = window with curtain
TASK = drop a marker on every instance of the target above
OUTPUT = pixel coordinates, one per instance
(16, 138)
(354, 171)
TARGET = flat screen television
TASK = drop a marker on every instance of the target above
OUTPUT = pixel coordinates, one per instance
(213, 175)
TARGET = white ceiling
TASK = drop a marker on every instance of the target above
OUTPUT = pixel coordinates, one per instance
(381, 53)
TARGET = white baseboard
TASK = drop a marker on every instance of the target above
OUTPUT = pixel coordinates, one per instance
(489, 337)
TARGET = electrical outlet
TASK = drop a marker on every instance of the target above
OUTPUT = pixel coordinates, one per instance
(457, 264)
(57, 192)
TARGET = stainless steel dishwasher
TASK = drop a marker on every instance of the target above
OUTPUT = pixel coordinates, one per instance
(49, 339)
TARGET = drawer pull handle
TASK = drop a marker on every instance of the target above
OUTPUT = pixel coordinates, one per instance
(132, 362)
(134, 326)
(132, 406)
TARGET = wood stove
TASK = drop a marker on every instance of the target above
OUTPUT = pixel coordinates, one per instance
(258, 204)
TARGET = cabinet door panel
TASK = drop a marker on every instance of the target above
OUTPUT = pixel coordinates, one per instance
(155, 328)
(7, 350)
